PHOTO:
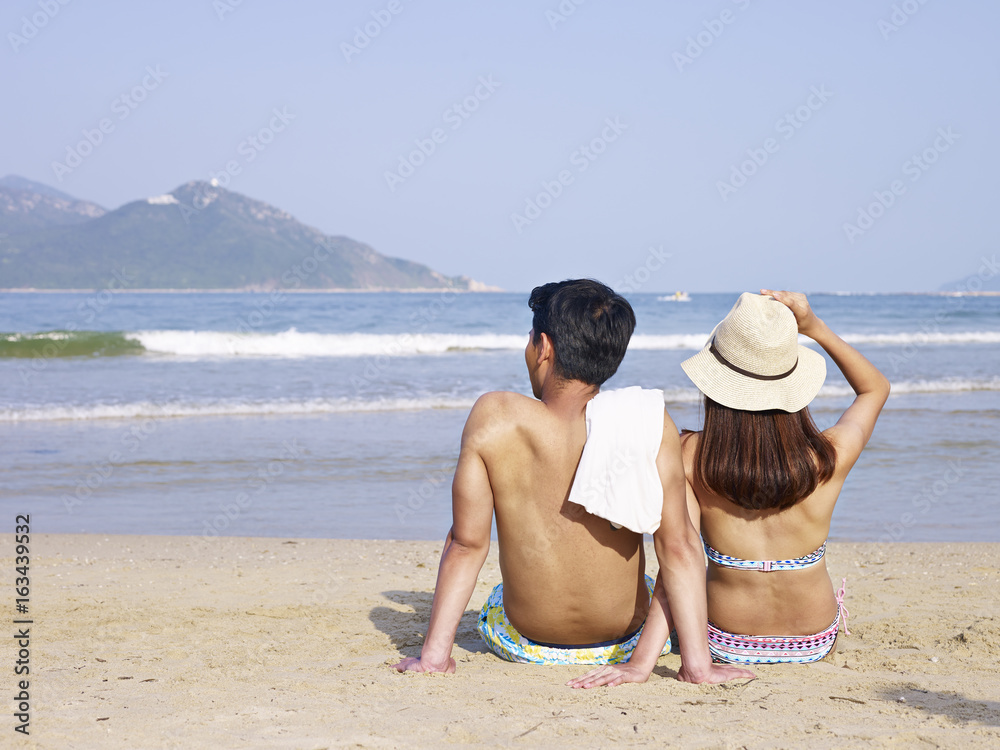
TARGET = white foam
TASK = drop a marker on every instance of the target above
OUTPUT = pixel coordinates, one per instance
(692, 341)
(681, 395)
(924, 338)
(293, 343)
(918, 338)
(945, 385)
(233, 408)
(151, 410)
(899, 388)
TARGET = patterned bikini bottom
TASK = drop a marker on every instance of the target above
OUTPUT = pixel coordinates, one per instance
(730, 648)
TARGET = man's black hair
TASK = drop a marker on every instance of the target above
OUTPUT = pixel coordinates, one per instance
(589, 324)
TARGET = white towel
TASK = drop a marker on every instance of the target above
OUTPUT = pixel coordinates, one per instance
(617, 477)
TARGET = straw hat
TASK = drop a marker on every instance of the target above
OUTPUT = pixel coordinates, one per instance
(753, 360)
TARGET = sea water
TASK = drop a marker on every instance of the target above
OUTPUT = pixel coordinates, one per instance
(340, 414)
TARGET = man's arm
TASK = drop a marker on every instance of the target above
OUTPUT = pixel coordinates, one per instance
(682, 572)
(682, 567)
(464, 551)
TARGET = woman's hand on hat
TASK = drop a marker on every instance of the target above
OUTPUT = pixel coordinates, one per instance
(805, 318)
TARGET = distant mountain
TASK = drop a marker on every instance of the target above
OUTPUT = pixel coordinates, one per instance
(985, 279)
(15, 182)
(27, 205)
(201, 236)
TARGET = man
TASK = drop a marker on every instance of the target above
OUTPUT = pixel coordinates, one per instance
(573, 585)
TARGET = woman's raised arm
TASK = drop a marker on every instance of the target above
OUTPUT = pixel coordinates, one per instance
(855, 426)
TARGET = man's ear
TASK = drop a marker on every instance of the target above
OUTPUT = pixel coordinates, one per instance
(545, 350)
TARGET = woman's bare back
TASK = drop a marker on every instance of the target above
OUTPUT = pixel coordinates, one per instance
(780, 602)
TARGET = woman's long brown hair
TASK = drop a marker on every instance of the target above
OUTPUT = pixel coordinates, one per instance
(762, 460)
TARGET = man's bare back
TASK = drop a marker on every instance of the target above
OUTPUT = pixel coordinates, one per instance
(569, 577)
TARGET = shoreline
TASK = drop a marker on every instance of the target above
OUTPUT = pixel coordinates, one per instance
(168, 641)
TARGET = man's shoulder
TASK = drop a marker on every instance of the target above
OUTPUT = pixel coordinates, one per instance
(496, 413)
(505, 397)
(499, 408)
(503, 406)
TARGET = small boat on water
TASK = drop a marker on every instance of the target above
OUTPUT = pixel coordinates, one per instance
(676, 297)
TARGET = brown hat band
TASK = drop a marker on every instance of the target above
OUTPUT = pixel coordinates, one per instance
(749, 374)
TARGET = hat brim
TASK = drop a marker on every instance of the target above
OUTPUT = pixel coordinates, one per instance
(729, 388)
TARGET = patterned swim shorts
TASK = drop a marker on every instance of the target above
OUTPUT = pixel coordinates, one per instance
(507, 643)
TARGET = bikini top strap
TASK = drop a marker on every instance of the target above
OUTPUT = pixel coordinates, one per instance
(765, 566)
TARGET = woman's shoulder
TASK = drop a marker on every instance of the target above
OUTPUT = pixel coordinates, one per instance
(689, 448)
(847, 446)
(689, 438)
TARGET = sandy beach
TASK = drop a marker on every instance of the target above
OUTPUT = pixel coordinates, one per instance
(156, 641)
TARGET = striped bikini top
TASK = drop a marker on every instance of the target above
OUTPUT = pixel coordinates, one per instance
(765, 566)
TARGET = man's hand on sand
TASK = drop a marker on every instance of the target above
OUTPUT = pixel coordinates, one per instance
(717, 673)
(413, 664)
(610, 676)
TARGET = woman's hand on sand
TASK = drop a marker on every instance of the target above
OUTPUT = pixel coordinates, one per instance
(413, 664)
(799, 305)
(610, 676)
(716, 674)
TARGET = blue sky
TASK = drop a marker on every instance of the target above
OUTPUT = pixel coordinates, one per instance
(713, 146)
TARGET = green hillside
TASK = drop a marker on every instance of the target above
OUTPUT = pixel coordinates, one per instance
(204, 237)
(24, 209)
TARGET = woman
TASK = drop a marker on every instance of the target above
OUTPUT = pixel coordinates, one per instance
(764, 481)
